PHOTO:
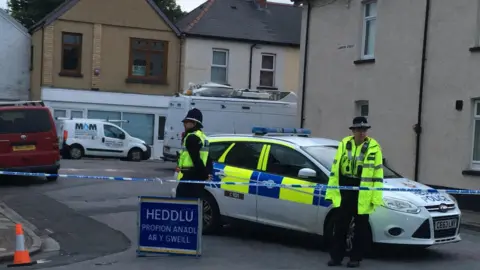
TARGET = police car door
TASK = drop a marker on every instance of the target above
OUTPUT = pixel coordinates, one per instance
(113, 141)
(239, 163)
(291, 208)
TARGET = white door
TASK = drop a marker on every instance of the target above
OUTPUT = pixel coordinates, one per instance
(157, 151)
(113, 141)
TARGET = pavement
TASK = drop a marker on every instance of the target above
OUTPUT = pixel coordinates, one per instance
(8, 220)
(94, 224)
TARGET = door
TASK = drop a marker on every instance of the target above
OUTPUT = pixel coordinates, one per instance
(113, 141)
(159, 137)
(292, 208)
(239, 163)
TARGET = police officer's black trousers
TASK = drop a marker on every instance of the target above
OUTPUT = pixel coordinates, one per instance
(187, 190)
(343, 217)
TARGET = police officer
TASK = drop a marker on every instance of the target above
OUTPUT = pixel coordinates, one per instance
(193, 160)
(358, 163)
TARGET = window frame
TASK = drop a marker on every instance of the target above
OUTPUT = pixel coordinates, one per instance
(358, 107)
(228, 144)
(475, 164)
(77, 71)
(365, 19)
(227, 59)
(273, 70)
(476, 43)
(162, 78)
(319, 179)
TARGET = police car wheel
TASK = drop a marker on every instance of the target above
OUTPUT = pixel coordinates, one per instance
(211, 214)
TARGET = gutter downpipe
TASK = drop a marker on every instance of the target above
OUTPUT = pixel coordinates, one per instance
(250, 66)
(305, 64)
(418, 126)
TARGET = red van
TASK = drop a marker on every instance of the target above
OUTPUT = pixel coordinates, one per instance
(28, 138)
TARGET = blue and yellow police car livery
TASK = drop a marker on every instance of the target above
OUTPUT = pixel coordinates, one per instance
(291, 156)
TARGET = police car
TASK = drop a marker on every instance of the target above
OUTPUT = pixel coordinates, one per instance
(290, 156)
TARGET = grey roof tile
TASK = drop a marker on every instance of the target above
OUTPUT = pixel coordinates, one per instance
(241, 19)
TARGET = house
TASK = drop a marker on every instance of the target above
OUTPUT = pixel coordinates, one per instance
(89, 62)
(415, 76)
(244, 43)
(15, 61)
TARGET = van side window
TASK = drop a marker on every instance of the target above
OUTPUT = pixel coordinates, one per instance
(216, 150)
(287, 162)
(244, 155)
(113, 132)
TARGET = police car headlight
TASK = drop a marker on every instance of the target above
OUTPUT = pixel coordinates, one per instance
(400, 205)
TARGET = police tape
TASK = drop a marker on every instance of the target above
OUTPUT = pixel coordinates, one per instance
(267, 184)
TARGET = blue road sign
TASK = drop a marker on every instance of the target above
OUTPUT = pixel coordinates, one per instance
(169, 226)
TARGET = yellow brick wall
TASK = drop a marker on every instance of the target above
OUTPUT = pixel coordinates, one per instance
(48, 49)
(96, 60)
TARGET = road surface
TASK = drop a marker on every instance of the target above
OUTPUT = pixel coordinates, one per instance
(94, 222)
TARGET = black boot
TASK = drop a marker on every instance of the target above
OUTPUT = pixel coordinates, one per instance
(334, 263)
(353, 264)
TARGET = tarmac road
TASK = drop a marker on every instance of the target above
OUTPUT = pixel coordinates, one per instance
(94, 222)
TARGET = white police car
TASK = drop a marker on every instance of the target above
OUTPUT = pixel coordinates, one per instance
(275, 156)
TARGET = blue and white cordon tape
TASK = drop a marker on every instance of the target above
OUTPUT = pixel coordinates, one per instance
(259, 183)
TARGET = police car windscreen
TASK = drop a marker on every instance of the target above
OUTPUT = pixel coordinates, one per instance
(326, 154)
(24, 121)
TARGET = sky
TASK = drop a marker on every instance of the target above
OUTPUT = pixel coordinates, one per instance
(186, 5)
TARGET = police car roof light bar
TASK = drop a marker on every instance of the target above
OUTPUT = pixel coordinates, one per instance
(282, 131)
(23, 103)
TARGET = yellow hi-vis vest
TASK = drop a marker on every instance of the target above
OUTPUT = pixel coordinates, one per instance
(185, 161)
(347, 162)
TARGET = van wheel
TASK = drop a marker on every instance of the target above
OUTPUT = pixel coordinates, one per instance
(76, 151)
(135, 154)
(211, 214)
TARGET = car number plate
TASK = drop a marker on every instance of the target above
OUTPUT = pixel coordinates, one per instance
(445, 224)
(24, 148)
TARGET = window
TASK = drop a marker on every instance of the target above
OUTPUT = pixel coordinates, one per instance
(148, 59)
(76, 114)
(219, 70)
(216, 150)
(104, 115)
(161, 127)
(24, 121)
(244, 155)
(71, 53)
(476, 135)
(477, 30)
(113, 132)
(59, 113)
(369, 29)
(139, 126)
(287, 162)
(361, 108)
(267, 70)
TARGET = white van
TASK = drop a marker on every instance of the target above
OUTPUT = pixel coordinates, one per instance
(99, 138)
(237, 115)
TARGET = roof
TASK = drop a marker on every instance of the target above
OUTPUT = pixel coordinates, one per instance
(295, 140)
(14, 22)
(69, 4)
(242, 20)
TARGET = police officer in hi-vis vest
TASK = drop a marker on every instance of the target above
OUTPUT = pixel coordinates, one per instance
(193, 160)
(358, 163)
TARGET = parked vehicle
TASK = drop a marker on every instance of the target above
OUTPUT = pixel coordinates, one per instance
(28, 138)
(226, 110)
(99, 138)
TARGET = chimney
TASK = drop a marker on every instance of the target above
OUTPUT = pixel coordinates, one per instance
(261, 3)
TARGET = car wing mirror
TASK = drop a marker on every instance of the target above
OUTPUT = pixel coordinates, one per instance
(307, 173)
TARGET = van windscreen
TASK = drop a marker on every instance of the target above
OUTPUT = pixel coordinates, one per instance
(24, 121)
